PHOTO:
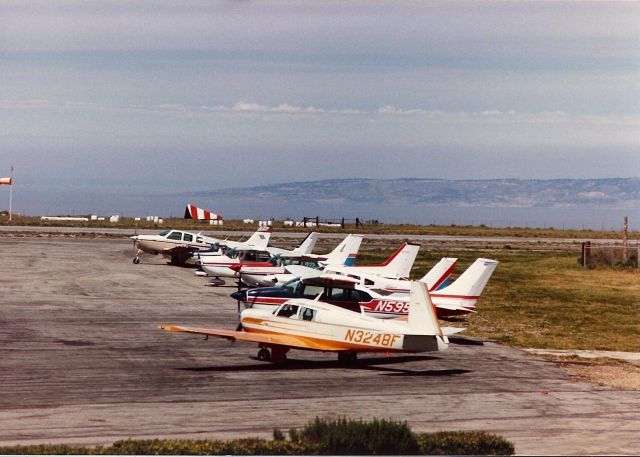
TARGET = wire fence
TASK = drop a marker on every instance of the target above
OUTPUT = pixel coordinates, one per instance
(614, 255)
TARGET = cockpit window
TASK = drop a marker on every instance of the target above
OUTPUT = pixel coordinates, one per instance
(175, 236)
(164, 232)
(232, 253)
(340, 294)
(288, 310)
(262, 256)
(307, 314)
(188, 237)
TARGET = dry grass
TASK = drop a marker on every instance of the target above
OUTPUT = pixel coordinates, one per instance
(548, 301)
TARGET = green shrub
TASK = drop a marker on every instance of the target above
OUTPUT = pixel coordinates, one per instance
(278, 435)
(349, 437)
(247, 446)
(464, 443)
(294, 435)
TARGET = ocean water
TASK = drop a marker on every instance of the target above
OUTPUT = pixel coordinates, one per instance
(130, 204)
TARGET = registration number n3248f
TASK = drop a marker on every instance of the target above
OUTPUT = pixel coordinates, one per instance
(372, 338)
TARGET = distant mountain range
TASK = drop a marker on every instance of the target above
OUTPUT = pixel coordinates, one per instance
(552, 193)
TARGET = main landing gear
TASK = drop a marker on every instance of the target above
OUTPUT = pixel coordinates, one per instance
(215, 282)
(347, 357)
(278, 354)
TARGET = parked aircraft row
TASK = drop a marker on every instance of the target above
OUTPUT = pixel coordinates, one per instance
(325, 302)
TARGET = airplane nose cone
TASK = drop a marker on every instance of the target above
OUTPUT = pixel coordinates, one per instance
(134, 237)
(239, 296)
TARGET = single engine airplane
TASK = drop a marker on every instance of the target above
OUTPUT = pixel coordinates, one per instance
(218, 247)
(397, 266)
(304, 248)
(176, 245)
(312, 325)
(278, 271)
(436, 278)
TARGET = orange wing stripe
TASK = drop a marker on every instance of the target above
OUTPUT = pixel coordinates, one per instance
(274, 339)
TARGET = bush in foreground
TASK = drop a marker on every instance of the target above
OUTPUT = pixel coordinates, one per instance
(349, 437)
(464, 443)
(319, 437)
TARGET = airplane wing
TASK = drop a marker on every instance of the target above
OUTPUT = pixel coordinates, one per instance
(303, 272)
(335, 278)
(270, 339)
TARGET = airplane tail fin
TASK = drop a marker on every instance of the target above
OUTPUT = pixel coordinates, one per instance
(440, 273)
(422, 322)
(307, 244)
(471, 283)
(345, 253)
(260, 239)
(422, 317)
(399, 264)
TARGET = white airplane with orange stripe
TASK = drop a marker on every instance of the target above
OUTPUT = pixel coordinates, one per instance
(316, 326)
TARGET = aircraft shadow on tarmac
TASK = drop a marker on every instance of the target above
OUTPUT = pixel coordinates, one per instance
(372, 364)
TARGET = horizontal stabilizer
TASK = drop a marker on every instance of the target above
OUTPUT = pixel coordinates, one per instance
(451, 330)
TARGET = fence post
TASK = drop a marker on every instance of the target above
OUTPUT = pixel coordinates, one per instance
(586, 253)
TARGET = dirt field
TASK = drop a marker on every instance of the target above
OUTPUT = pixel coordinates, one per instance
(82, 361)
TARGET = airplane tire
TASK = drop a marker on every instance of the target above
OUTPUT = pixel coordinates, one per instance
(136, 260)
(264, 355)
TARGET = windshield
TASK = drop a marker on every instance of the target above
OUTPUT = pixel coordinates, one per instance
(164, 232)
(274, 260)
(290, 286)
(232, 253)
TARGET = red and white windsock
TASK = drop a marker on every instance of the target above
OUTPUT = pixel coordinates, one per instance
(199, 214)
(6, 181)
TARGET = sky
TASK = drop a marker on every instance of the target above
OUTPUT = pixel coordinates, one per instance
(170, 96)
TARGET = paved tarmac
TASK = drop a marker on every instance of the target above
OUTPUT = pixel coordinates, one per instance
(82, 361)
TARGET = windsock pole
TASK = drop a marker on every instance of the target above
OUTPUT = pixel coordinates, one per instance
(11, 192)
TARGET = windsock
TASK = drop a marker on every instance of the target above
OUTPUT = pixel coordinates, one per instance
(6, 181)
(199, 214)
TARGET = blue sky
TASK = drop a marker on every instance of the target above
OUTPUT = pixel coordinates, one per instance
(195, 95)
